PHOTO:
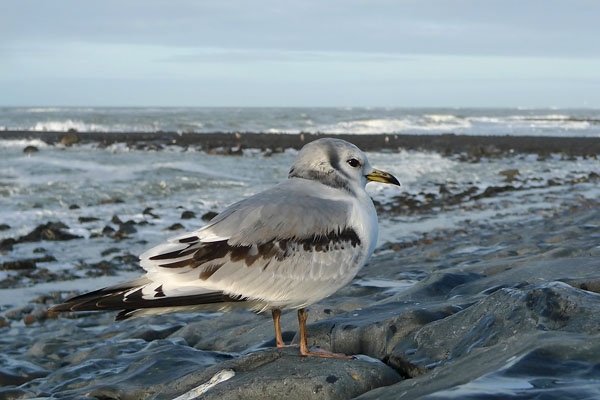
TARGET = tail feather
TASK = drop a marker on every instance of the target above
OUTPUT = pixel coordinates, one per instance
(89, 301)
(128, 298)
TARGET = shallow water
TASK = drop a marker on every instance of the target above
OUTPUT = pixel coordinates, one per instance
(69, 183)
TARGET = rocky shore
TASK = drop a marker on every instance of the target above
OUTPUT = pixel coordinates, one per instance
(486, 312)
(488, 308)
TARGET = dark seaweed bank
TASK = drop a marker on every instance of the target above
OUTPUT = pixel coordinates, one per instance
(474, 146)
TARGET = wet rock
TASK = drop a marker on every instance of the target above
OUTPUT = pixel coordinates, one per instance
(543, 322)
(148, 211)
(30, 149)
(85, 220)
(15, 393)
(17, 265)
(376, 330)
(439, 284)
(7, 244)
(29, 319)
(150, 333)
(18, 313)
(15, 372)
(491, 191)
(4, 227)
(108, 231)
(127, 261)
(209, 215)
(284, 374)
(245, 329)
(70, 138)
(25, 264)
(50, 231)
(175, 227)
(509, 174)
(112, 201)
(110, 251)
(127, 369)
(125, 230)
(30, 277)
(188, 215)
(101, 268)
(405, 368)
(590, 284)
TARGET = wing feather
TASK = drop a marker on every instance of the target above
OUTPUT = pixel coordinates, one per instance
(254, 250)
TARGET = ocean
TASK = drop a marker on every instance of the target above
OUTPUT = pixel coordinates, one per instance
(461, 121)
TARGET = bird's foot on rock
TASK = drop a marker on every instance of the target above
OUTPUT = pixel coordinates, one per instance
(324, 353)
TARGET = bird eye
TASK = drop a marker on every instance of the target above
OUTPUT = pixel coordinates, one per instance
(353, 162)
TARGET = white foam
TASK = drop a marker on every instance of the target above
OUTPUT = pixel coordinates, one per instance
(528, 123)
(63, 126)
(43, 110)
(433, 123)
(22, 143)
(81, 126)
(549, 117)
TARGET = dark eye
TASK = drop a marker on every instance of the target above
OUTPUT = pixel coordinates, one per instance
(353, 162)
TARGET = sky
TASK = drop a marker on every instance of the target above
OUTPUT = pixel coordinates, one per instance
(379, 53)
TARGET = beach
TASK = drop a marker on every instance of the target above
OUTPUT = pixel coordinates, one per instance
(484, 283)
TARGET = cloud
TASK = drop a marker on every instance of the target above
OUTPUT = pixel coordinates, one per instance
(274, 52)
(462, 27)
(247, 55)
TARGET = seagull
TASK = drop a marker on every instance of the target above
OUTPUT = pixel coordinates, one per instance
(287, 247)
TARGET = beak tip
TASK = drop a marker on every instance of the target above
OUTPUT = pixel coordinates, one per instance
(383, 177)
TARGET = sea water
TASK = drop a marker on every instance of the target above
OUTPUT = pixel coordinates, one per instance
(64, 184)
(357, 120)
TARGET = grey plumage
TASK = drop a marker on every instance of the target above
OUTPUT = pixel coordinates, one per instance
(286, 247)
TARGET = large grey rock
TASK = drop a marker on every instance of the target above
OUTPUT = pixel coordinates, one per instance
(501, 336)
(284, 374)
(125, 369)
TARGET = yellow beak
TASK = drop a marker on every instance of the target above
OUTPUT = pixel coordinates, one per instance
(381, 176)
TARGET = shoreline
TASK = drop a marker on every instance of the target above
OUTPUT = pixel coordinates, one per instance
(433, 318)
(448, 143)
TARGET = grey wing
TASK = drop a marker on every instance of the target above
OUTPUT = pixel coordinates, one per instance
(295, 208)
(289, 246)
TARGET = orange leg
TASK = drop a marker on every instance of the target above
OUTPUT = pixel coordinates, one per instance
(302, 316)
(276, 316)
